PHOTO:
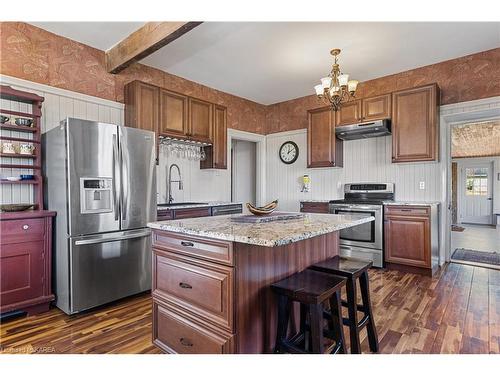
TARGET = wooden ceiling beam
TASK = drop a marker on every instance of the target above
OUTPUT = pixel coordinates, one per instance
(143, 42)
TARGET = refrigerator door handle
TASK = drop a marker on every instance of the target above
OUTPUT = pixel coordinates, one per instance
(112, 239)
(115, 179)
(124, 185)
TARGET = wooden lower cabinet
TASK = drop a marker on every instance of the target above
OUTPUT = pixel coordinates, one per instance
(25, 261)
(408, 232)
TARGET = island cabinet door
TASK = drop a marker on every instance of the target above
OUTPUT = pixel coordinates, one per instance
(175, 333)
(203, 289)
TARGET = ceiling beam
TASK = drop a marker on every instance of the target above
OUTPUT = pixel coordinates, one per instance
(143, 42)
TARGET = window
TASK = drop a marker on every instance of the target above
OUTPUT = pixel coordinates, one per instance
(476, 181)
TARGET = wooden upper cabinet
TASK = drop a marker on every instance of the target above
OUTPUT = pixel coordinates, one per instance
(377, 108)
(217, 153)
(141, 106)
(323, 148)
(200, 120)
(349, 113)
(173, 114)
(415, 124)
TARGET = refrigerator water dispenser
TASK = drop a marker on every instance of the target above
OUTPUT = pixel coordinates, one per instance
(96, 195)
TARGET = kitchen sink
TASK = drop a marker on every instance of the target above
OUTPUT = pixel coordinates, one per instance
(179, 204)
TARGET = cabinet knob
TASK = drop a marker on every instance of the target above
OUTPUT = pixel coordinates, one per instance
(26, 226)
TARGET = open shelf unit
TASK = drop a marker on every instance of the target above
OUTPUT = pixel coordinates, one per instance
(32, 136)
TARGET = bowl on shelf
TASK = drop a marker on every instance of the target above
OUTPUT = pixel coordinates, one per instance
(11, 178)
(4, 119)
(15, 207)
(264, 210)
(27, 177)
(24, 121)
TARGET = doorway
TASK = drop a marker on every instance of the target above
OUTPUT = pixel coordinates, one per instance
(475, 193)
(243, 172)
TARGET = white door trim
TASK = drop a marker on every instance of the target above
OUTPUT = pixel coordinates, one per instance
(453, 114)
(260, 163)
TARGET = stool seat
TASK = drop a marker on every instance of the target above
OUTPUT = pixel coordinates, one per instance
(343, 266)
(309, 286)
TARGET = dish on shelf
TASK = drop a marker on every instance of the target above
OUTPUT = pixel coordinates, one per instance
(11, 178)
(27, 177)
(4, 119)
(15, 207)
(21, 121)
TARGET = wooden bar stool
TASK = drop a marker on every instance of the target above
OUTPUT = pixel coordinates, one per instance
(354, 269)
(312, 290)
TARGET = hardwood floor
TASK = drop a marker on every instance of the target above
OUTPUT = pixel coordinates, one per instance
(457, 311)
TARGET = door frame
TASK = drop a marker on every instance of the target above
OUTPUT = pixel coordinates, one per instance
(470, 162)
(260, 162)
(450, 115)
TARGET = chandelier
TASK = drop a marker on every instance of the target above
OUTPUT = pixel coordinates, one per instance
(336, 88)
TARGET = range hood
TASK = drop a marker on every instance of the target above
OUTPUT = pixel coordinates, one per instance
(364, 130)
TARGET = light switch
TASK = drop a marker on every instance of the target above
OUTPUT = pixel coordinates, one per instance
(422, 185)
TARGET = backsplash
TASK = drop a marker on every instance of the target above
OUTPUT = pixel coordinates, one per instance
(365, 160)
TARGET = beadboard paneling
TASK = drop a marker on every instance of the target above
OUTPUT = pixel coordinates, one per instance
(366, 160)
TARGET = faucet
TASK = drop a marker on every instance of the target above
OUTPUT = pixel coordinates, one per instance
(169, 184)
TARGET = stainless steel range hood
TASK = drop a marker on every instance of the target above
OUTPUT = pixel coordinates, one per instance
(364, 130)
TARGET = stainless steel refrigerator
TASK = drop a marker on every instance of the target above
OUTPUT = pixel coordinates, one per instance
(101, 180)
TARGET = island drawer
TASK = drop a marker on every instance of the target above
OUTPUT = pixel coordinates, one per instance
(407, 210)
(174, 333)
(201, 288)
(213, 250)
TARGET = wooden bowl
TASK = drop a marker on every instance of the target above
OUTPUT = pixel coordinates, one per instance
(264, 210)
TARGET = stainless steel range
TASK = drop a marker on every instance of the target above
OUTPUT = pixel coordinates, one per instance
(364, 241)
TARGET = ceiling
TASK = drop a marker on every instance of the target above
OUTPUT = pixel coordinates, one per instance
(476, 140)
(270, 62)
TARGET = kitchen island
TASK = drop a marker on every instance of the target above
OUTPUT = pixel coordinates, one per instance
(211, 277)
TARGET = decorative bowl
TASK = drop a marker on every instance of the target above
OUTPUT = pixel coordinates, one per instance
(24, 121)
(15, 207)
(4, 119)
(264, 210)
(12, 178)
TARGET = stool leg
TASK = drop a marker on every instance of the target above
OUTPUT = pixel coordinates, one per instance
(367, 306)
(283, 317)
(303, 326)
(336, 322)
(353, 317)
(316, 312)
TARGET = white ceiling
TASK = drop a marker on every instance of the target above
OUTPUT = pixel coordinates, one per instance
(100, 35)
(277, 61)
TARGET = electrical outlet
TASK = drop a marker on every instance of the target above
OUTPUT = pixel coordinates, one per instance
(422, 185)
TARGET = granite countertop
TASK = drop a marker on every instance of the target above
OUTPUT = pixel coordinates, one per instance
(205, 204)
(412, 203)
(271, 234)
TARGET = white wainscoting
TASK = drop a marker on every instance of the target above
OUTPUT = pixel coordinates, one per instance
(366, 160)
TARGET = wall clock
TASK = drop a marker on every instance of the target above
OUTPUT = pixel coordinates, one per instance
(289, 152)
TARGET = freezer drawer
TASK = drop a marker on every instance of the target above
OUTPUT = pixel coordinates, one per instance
(106, 267)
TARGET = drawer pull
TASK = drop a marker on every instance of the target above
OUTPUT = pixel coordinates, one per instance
(185, 342)
(26, 227)
(186, 243)
(185, 286)
(406, 209)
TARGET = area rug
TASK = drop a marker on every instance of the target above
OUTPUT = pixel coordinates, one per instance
(477, 256)
(457, 228)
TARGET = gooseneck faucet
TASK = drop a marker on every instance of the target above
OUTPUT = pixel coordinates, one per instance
(169, 185)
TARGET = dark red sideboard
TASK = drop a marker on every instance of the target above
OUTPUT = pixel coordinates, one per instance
(25, 261)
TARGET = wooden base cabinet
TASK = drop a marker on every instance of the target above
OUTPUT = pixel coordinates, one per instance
(411, 237)
(25, 261)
